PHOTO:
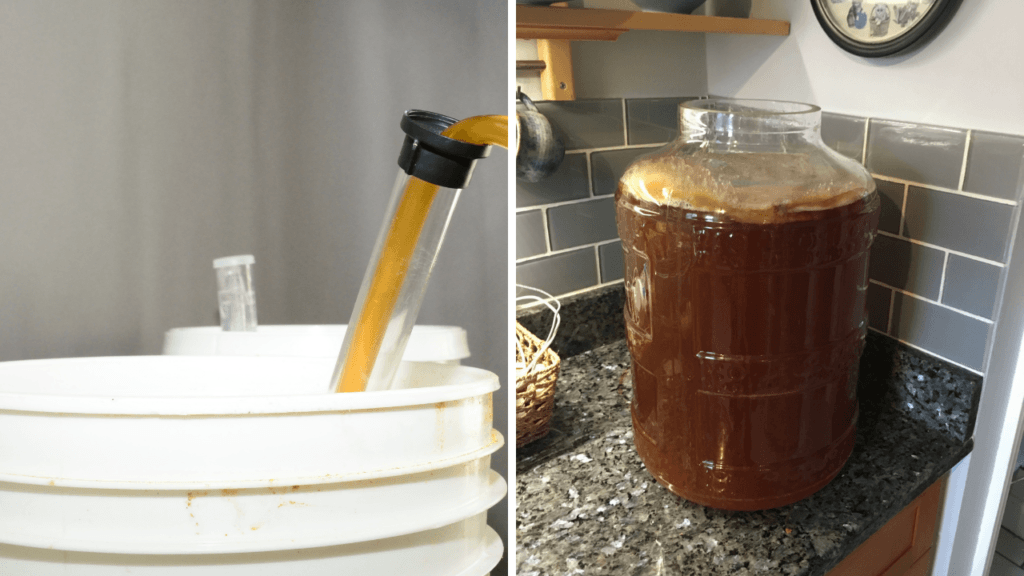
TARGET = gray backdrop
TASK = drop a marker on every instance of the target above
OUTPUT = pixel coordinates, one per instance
(138, 141)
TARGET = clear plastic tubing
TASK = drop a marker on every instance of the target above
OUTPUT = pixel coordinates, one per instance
(235, 295)
(437, 161)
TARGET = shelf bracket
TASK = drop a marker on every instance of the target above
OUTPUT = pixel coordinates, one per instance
(556, 82)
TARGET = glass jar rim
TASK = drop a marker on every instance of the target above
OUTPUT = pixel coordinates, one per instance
(750, 107)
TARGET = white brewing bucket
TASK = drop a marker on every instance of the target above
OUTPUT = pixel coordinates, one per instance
(166, 462)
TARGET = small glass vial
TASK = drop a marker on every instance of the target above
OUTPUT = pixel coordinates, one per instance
(235, 295)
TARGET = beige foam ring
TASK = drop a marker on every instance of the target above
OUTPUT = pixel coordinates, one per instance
(752, 188)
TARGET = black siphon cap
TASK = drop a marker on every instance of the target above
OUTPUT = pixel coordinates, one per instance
(434, 158)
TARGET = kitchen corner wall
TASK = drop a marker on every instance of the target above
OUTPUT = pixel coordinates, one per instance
(949, 202)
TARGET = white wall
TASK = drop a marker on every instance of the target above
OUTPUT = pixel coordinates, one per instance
(134, 149)
(969, 76)
(641, 64)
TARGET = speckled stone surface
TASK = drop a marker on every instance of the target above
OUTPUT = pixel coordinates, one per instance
(588, 320)
(587, 505)
(940, 395)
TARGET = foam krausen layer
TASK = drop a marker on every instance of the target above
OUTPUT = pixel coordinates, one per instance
(773, 188)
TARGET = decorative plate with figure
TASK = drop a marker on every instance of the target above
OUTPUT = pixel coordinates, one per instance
(873, 29)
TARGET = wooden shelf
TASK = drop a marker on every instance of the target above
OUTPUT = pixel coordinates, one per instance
(553, 23)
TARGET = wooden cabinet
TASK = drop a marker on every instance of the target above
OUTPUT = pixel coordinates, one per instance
(904, 546)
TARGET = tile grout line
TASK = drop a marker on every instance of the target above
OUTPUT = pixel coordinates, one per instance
(590, 174)
(535, 257)
(903, 208)
(937, 247)
(929, 352)
(939, 304)
(864, 149)
(547, 232)
(963, 166)
(942, 278)
(892, 304)
(563, 203)
(597, 262)
(625, 125)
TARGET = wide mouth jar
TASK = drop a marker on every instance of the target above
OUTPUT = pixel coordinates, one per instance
(746, 245)
(739, 121)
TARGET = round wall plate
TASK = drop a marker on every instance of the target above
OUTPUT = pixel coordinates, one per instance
(874, 29)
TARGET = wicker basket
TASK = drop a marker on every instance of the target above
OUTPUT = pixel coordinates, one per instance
(535, 387)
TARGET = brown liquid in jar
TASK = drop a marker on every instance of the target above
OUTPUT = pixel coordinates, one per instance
(745, 339)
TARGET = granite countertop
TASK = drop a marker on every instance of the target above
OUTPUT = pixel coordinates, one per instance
(586, 504)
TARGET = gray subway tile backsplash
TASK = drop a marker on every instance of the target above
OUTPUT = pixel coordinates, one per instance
(569, 182)
(844, 134)
(586, 123)
(653, 120)
(1010, 546)
(1001, 566)
(994, 165)
(561, 273)
(891, 196)
(878, 301)
(939, 330)
(970, 285)
(530, 238)
(926, 154)
(612, 263)
(582, 223)
(607, 167)
(911, 267)
(970, 225)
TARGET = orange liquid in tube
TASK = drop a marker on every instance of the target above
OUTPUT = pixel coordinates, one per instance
(745, 322)
(399, 246)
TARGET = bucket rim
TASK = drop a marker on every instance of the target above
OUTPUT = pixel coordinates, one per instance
(479, 382)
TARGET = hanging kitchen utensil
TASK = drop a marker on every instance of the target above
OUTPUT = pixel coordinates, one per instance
(540, 151)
